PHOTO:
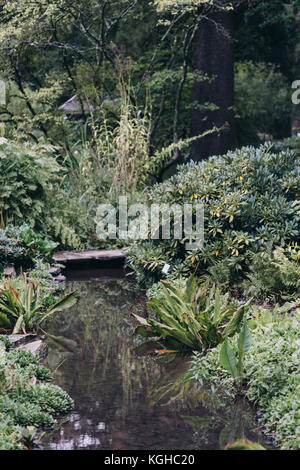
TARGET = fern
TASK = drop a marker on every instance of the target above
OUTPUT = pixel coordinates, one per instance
(27, 173)
(66, 235)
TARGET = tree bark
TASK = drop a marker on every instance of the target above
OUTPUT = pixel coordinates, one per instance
(214, 57)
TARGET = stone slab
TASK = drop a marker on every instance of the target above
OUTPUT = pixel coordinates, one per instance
(88, 255)
(60, 278)
(38, 348)
(18, 340)
(54, 271)
(8, 272)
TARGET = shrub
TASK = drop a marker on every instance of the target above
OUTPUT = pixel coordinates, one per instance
(50, 398)
(290, 143)
(251, 200)
(33, 189)
(6, 342)
(24, 414)
(24, 306)
(10, 435)
(21, 357)
(41, 373)
(12, 251)
(156, 291)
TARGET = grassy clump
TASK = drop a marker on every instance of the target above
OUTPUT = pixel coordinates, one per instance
(192, 317)
(25, 303)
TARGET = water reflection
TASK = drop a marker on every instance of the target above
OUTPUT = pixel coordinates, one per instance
(126, 401)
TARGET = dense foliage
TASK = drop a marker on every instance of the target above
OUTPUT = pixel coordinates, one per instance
(26, 398)
(106, 98)
(28, 173)
(251, 202)
(262, 101)
(24, 305)
(193, 317)
(50, 198)
(21, 246)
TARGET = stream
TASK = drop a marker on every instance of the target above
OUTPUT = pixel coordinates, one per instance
(126, 399)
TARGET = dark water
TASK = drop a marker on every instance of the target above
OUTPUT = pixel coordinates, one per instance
(125, 399)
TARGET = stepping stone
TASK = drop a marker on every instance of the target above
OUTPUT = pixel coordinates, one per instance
(54, 271)
(60, 278)
(9, 272)
(38, 348)
(88, 255)
(18, 340)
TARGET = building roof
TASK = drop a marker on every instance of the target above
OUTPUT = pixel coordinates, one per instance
(73, 105)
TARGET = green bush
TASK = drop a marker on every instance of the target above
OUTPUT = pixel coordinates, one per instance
(251, 200)
(41, 373)
(34, 190)
(24, 304)
(10, 434)
(291, 143)
(49, 397)
(21, 357)
(156, 291)
(13, 252)
(6, 342)
(24, 414)
(27, 175)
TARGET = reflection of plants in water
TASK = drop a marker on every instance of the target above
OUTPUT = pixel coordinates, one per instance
(102, 327)
(172, 388)
(133, 373)
(238, 425)
(203, 427)
(210, 411)
(235, 422)
(98, 315)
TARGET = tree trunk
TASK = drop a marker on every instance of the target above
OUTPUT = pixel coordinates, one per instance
(214, 57)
